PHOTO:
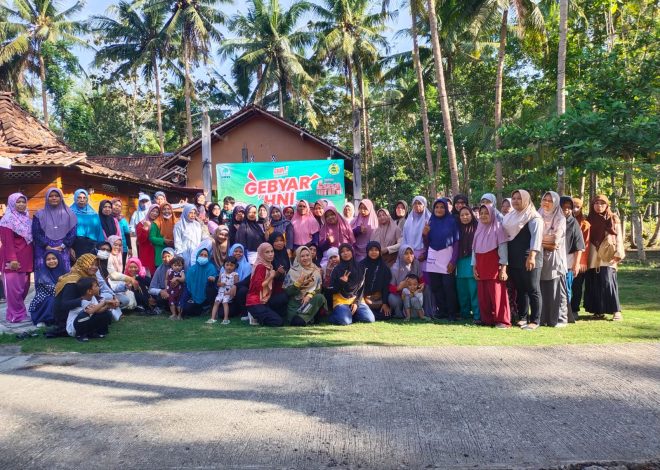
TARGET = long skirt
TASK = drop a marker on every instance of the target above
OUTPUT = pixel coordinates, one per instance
(493, 302)
(601, 291)
(41, 307)
(554, 309)
(17, 286)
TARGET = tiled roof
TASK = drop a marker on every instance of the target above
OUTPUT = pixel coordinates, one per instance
(141, 166)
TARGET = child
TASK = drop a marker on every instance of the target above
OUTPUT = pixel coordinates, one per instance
(226, 292)
(227, 210)
(413, 297)
(175, 280)
(92, 318)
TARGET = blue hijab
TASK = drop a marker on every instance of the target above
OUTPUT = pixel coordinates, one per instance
(243, 269)
(444, 230)
(89, 224)
(197, 278)
(46, 275)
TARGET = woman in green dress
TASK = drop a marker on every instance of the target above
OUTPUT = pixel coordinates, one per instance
(303, 286)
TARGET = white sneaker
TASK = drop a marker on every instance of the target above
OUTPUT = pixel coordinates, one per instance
(253, 321)
(245, 318)
(41, 325)
(211, 321)
(226, 322)
(561, 325)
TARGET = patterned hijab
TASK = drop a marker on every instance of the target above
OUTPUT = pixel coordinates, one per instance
(17, 222)
(78, 271)
(298, 272)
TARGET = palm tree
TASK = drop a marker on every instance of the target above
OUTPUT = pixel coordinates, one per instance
(530, 20)
(30, 24)
(191, 26)
(561, 80)
(135, 41)
(272, 48)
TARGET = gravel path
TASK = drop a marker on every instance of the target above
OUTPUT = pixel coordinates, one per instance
(355, 407)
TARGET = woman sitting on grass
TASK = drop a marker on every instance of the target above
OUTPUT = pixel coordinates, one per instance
(200, 285)
(45, 278)
(376, 281)
(262, 308)
(347, 286)
(303, 286)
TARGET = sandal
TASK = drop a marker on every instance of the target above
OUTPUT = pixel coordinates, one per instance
(530, 327)
(522, 323)
(617, 317)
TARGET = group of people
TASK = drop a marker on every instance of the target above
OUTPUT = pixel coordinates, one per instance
(296, 265)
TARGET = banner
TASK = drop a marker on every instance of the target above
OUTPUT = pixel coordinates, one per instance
(282, 183)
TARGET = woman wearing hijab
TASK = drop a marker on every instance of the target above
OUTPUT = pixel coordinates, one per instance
(120, 283)
(303, 287)
(161, 232)
(554, 311)
(16, 255)
(460, 201)
(388, 235)
(363, 226)
(136, 271)
(144, 203)
(305, 226)
(200, 284)
(237, 216)
(489, 199)
(67, 296)
(578, 281)
(574, 249)
(109, 223)
(318, 209)
(54, 229)
(263, 212)
(123, 228)
(348, 212)
(219, 246)
(244, 271)
(347, 287)
(466, 284)
(187, 235)
(200, 206)
(490, 259)
(158, 285)
(45, 278)
(377, 276)
(506, 206)
(601, 287)
(414, 226)
(214, 213)
(334, 232)
(278, 223)
(524, 231)
(88, 228)
(400, 214)
(442, 256)
(250, 234)
(281, 262)
(261, 310)
(405, 264)
(146, 250)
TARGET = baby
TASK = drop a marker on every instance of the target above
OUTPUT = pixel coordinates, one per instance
(175, 281)
(413, 298)
(226, 291)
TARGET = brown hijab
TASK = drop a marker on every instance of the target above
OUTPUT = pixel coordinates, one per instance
(166, 226)
(601, 224)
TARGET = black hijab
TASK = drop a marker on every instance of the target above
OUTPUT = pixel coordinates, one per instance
(466, 233)
(574, 237)
(459, 197)
(108, 221)
(281, 256)
(377, 274)
(355, 284)
(213, 218)
(250, 233)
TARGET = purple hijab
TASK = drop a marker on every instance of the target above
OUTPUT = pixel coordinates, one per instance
(56, 222)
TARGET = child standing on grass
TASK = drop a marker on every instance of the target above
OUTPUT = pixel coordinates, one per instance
(175, 281)
(226, 290)
(413, 297)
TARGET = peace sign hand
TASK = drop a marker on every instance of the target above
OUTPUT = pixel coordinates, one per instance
(345, 277)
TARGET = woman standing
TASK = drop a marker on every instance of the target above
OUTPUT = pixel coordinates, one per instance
(45, 278)
(334, 232)
(187, 235)
(259, 306)
(200, 206)
(347, 287)
(16, 255)
(109, 223)
(442, 236)
(161, 232)
(554, 311)
(305, 227)
(363, 226)
(414, 227)
(250, 234)
(578, 281)
(348, 212)
(466, 284)
(459, 202)
(124, 228)
(524, 230)
(237, 216)
(144, 203)
(146, 250)
(377, 276)
(601, 286)
(215, 214)
(303, 286)
(88, 228)
(574, 249)
(54, 229)
(220, 246)
(400, 214)
(490, 260)
(388, 235)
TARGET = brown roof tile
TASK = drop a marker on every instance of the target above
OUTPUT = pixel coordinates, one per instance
(141, 166)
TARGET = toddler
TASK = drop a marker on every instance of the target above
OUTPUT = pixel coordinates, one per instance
(413, 298)
(175, 281)
(226, 290)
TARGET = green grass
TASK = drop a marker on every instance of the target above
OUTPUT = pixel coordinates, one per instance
(639, 288)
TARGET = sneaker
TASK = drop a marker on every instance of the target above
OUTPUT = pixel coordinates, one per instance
(617, 317)
(561, 325)
(211, 321)
(82, 339)
(41, 325)
(253, 321)
(226, 322)
(245, 318)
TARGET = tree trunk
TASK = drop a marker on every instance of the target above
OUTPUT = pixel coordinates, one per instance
(655, 215)
(442, 96)
(466, 171)
(583, 183)
(422, 96)
(44, 96)
(368, 160)
(159, 112)
(499, 179)
(635, 220)
(187, 93)
(357, 138)
(280, 99)
(561, 81)
(134, 109)
(593, 186)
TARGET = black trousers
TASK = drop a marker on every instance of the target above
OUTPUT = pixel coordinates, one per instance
(265, 315)
(576, 299)
(443, 287)
(237, 306)
(192, 309)
(98, 323)
(528, 293)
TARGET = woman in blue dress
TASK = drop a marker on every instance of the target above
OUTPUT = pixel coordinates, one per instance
(45, 277)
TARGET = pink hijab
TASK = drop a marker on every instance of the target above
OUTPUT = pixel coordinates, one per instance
(340, 231)
(17, 222)
(141, 269)
(370, 222)
(304, 226)
(488, 236)
(265, 293)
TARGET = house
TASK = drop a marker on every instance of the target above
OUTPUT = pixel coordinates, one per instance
(254, 134)
(33, 159)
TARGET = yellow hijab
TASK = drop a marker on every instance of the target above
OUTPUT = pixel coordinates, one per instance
(78, 270)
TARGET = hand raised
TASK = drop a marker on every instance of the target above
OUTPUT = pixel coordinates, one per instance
(345, 277)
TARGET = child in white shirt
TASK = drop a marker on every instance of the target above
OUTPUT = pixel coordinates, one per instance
(226, 290)
(92, 318)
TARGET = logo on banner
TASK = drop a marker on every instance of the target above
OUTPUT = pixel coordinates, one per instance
(280, 191)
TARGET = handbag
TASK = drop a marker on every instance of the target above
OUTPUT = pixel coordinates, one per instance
(607, 248)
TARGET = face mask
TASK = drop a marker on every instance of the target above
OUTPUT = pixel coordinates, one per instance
(202, 261)
(103, 255)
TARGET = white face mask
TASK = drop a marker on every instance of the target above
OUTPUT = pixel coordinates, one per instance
(103, 254)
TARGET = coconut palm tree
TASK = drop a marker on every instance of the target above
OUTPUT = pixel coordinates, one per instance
(271, 46)
(561, 80)
(28, 25)
(135, 41)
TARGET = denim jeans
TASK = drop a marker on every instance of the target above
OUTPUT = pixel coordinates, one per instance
(341, 315)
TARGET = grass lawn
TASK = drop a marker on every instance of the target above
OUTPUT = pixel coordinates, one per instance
(640, 296)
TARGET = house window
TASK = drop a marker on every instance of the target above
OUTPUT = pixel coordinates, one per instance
(110, 188)
(21, 175)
